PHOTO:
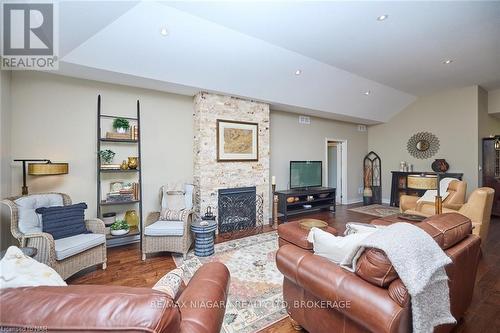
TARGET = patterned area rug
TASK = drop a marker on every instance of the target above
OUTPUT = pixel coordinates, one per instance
(376, 210)
(255, 298)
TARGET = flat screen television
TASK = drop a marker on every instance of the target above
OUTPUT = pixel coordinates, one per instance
(306, 174)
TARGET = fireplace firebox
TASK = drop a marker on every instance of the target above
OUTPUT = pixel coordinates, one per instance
(237, 209)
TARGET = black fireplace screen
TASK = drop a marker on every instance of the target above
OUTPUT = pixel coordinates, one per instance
(239, 209)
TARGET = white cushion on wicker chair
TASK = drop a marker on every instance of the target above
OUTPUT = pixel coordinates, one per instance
(165, 228)
(29, 221)
(188, 194)
(69, 246)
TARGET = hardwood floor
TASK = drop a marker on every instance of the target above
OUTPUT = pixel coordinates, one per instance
(126, 268)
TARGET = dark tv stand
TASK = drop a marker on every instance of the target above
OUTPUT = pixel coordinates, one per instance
(323, 198)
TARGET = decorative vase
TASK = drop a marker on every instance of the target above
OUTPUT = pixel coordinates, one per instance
(132, 218)
(121, 130)
(440, 165)
(120, 232)
(133, 162)
(124, 165)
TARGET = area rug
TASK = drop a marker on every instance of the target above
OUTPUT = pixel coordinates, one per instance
(255, 298)
(376, 210)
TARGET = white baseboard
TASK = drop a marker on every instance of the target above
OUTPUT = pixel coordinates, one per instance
(352, 201)
(359, 200)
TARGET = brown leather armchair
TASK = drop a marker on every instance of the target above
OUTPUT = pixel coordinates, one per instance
(85, 308)
(322, 297)
(457, 190)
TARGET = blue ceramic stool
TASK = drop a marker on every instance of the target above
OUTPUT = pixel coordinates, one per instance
(204, 238)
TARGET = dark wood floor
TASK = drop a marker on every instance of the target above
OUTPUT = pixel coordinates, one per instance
(126, 268)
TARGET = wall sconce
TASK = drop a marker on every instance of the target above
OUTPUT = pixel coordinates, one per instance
(42, 167)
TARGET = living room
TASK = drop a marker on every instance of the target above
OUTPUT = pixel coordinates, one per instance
(188, 142)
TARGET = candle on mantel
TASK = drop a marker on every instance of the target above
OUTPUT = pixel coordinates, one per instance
(273, 180)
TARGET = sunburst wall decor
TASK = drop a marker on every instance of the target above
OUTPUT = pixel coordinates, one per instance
(423, 145)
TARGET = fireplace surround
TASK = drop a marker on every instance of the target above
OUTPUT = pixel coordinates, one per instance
(210, 175)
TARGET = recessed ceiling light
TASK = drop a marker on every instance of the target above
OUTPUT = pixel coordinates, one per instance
(382, 17)
(164, 31)
(447, 61)
(298, 72)
(368, 92)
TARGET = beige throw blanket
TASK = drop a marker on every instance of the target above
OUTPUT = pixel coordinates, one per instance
(420, 264)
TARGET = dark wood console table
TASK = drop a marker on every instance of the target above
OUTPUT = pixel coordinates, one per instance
(319, 198)
(400, 179)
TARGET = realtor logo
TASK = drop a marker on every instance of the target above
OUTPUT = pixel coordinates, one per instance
(29, 36)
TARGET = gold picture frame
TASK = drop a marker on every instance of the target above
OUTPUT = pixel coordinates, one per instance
(237, 141)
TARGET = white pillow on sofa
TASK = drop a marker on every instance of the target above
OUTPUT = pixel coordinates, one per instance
(19, 270)
(335, 248)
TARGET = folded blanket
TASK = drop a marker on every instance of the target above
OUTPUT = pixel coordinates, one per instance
(420, 263)
(430, 195)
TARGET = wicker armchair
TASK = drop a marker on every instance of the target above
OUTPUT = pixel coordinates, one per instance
(46, 247)
(168, 242)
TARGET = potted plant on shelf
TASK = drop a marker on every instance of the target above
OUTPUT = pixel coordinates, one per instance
(121, 125)
(107, 155)
(119, 228)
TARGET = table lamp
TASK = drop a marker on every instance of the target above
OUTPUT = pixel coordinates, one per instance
(41, 167)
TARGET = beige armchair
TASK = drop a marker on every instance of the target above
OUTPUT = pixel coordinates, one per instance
(454, 201)
(171, 236)
(66, 255)
(478, 210)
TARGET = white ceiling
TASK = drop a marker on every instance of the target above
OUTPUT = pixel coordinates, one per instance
(405, 51)
(252, 50)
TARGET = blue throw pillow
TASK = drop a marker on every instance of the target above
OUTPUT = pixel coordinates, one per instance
(64, 221)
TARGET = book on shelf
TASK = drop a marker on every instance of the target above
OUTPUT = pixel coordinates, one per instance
(134, 132)
(135, 190)
(117, 136)
(110, 166)
(118, 197)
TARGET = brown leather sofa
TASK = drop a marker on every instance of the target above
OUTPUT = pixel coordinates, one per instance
(322, 297)
(84, 308)
(457, 190)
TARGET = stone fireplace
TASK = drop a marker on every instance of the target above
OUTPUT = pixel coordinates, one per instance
(212, 178)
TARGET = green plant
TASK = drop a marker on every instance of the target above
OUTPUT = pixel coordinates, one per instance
(120, 225)
(121, 123)
(107, 155)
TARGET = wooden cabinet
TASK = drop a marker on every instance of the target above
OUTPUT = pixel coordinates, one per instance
(491, 169)
(400, 180)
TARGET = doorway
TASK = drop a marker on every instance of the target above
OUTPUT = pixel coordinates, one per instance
(336, 168)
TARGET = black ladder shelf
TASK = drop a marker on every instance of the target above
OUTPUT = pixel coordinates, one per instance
(135, 233)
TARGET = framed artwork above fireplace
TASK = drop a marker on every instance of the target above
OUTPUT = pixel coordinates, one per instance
(237, 141)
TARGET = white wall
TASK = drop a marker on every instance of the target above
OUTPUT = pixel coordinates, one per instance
(293, 141)
(451, 115)
(332, 166)
(54, 117)
(494, 102)
(6, 238)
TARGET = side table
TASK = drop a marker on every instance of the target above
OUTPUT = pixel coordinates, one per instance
(204, 237)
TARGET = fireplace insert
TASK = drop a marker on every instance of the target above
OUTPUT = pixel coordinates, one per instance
(237, 209)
